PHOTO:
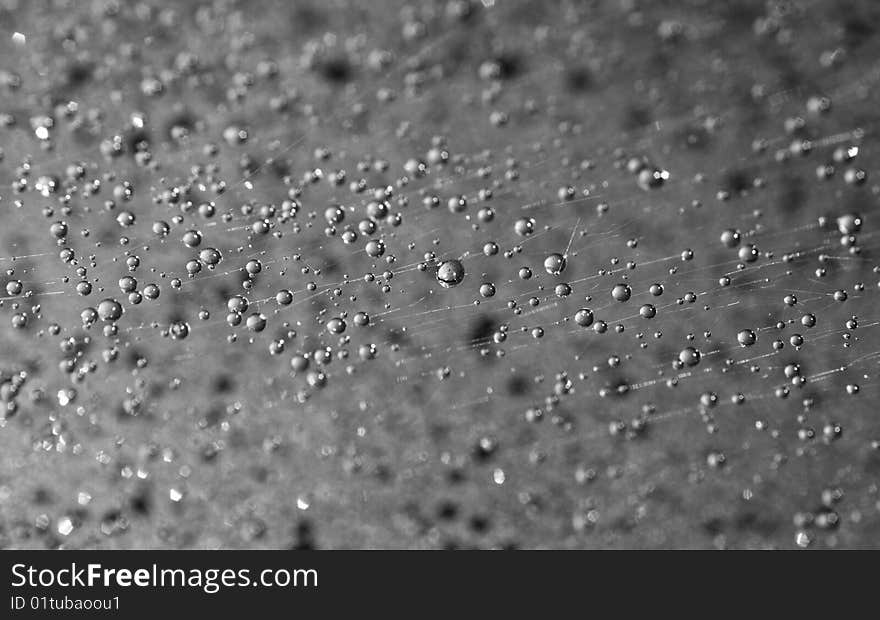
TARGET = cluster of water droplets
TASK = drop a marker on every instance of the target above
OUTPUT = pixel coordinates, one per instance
(507, 299)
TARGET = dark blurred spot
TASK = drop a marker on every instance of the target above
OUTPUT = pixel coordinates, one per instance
(792, 195)
(635, 117)
(78, 73)
(213, 416)
(623, 525)
(222, 292)
(859, 24)
(713, 526)
(42, 496)
(260, 473)
(510, 66)
(335, 70)
(111, 520)
(578, 79)
(447, 510)
(481, 329)
(438, 432)
(331, 266)
(140, 503)
(304, 536)
(479, 524)
(518, 385)
(455, 476)
(384, 473)
(223, 384)
(736, 182)
(280, 167)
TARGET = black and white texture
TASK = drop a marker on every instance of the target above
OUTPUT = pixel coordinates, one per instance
(439, 274)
